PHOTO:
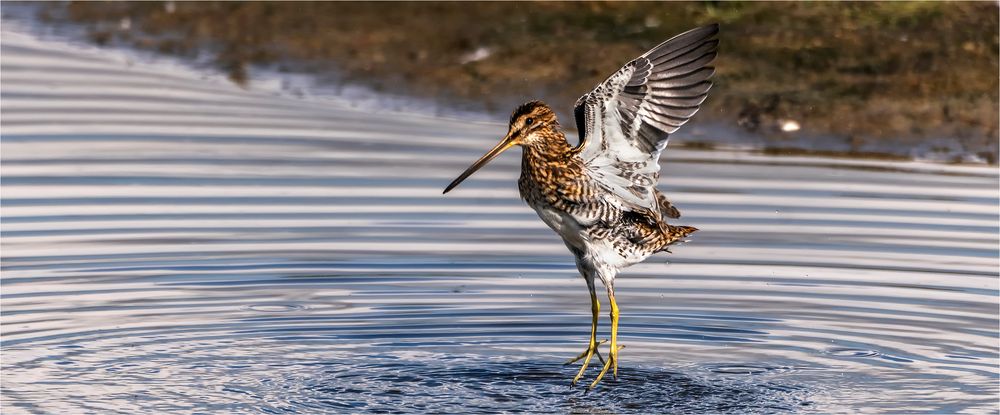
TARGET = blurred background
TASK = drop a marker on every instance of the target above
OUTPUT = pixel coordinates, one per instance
(235, 207)
(890, 79)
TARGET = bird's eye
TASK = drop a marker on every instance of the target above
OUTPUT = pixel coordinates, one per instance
(528, 121)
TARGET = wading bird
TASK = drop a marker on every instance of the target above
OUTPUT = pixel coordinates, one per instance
(600, 196)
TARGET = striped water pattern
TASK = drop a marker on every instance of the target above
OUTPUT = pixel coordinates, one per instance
(172, 242)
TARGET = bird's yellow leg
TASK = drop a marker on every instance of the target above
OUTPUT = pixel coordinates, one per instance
(595, 309)
(613, 353)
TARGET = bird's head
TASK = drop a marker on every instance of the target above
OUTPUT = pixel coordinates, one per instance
(529, 121)
(528, 126)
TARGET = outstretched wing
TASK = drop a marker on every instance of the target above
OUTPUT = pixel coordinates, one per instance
(624, 122)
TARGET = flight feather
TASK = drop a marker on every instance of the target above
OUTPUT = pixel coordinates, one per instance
(624, 122)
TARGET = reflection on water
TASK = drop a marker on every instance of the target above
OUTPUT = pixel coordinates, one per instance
(176, 244)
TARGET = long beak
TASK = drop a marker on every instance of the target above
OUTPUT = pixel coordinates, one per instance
(506, 143)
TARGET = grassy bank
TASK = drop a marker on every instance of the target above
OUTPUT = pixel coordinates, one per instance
(871, 75)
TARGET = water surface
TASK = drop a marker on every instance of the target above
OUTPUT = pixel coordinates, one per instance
(172, 243)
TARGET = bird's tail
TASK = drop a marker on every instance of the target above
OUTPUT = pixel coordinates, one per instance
(675, 234)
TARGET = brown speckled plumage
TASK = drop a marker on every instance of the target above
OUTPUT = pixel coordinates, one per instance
(600, 196)
(554, 176)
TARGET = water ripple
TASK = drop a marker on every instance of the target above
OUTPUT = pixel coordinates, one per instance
(174, 244)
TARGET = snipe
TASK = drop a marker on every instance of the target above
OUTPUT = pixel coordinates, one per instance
(600, 195)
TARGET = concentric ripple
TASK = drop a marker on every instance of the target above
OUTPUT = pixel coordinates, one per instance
(178, 244)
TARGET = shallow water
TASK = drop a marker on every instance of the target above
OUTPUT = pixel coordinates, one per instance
(172, 243)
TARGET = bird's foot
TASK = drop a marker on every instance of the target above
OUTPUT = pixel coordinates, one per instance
(611, 363)
(591, 349)
(586, 355)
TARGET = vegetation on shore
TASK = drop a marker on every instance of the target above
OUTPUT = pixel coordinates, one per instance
(866, 73)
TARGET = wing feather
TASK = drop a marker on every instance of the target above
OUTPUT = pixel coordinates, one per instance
(682, 91)
(663, 101)
(682, 56)
(625, 121)
(683, 80)
(683, 41)
(683, 68)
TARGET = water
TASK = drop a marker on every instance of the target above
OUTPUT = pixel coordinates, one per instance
(173, 243)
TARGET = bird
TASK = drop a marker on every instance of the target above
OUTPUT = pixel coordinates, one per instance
(600, 195)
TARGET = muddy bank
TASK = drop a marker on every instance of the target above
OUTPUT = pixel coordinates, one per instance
(901, 79)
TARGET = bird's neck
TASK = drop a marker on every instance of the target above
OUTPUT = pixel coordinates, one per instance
(546, 165)
(548, 146)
